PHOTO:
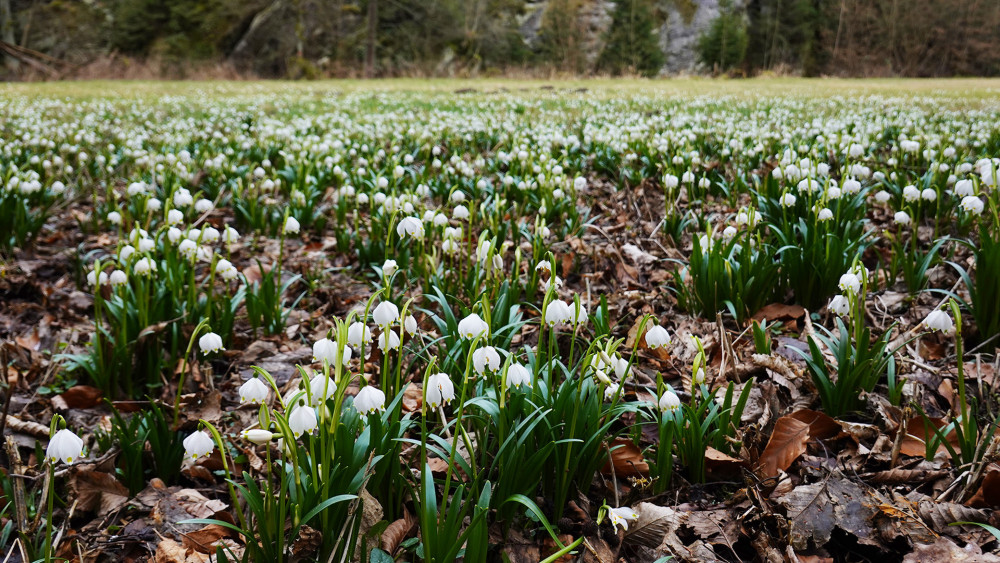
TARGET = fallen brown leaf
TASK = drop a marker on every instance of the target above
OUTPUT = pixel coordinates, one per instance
(98, 491)
(397, 531)
(788, 441)
(627, 460)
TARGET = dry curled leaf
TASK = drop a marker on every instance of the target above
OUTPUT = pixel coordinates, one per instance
(98, 491)
(788, 441)
(398, 531)
(938, 515)
(627, 460)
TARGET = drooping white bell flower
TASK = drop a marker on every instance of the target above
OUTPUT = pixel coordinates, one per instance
(901, 218)
(472, 326)
(210, 343)
(410, 226)
(657, 337)
(64, 446)
(557, 313)
(486, 358)
(358, 334)
(849, 283)
(440, 390)
(669, 401)
(388, 340)
(254, 391)
(291, 226)
(198, 444)
(385, 314)
(321, 389)
(518, 375)
(369, 400)
(410, 325)
(302, 419)
(839, 305)
(972, 204)
(325, 350)
(940, 320)
(622, 516)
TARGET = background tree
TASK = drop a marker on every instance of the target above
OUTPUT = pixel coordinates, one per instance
(724, 44)
(631, 43)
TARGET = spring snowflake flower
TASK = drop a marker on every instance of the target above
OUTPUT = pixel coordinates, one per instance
(389, 268)
(622, 516)
(911, 193)
(849, 283)
(928, 195)
(882, 196)
(369, 400)
(410, 226)
(210, 343)
(440, 390)
(321, 389)
(557, 313)
(669, 401)
(385, 314)
(851, 186)
(118, 277)
(182, 198)
(115, 218)
(825, 214)
(486, 358)
(939, 320)
(325, 350)
(964, 188)
(787, 200)
(518, 375)
(388, 340)
(203, 205)
(901, 218)
(253, 391)
(198, 444)
(657, 337)
(972, 204)
(358, 334)
(698, 377)
(410, 325)
(257, 436)
(302, 420)
(839, 305)
(153, 205)
(291, 226)
(230, 235)
(472, 327)
(225, 269)
(144, 267)
(97, 278)
(64, 446)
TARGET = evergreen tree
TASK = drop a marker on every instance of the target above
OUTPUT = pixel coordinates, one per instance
(631, 42)
(724, 44)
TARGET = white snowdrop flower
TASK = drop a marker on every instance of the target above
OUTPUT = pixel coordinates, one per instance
(325, 350)
(824, 214)
(410, 226)
(698, 377)
(210, 343)
(610, 390)
(385, 314)
(225, 269)
(203, 205)
(369, 400)
(174, 217)
(669, 401)
(787, 200)
(182, 198)
(839, 305)
(808, 185)
(115, 218)
(833, 192)
(687, 177)
(230, 235)
(258, 173)
(472, 327)
(657, 337)
(851, 186)
(198, 444)
(557, 313)
(257, 436)
(911, 193)
(747, 217)
(302, 420)
(58, 187)
(358, 334)
(174, 234)
(410, 325)
(388, 340)
(855, 150)
(362, 199)
(579, 183)
(940, 320)
(972, 204)
(209, 235)
(440, 390)
(291, 225)
(125, 253)
(118, 277)
(901, 218)
(382, 183)
(882, 196)
(460, 212)
(449, 246)
(928, 195)
(153, 205)
(964, 188)
(144, 266)
(64, 446)
(439, 219)
(321, 389)
(729, 233)
(188, 248)
(670, 181)
(518, 375)
(486, 358)
(849, 283)
(389, 268)
(136, 188)
(622, 516)
(94, 277)
(254, 391)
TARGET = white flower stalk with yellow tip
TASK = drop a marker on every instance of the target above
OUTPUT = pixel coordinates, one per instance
(198, 444)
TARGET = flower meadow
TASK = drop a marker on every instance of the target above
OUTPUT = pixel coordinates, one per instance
(499, 325)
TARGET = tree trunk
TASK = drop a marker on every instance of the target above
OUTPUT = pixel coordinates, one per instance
(370, 48)
(7, 33)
